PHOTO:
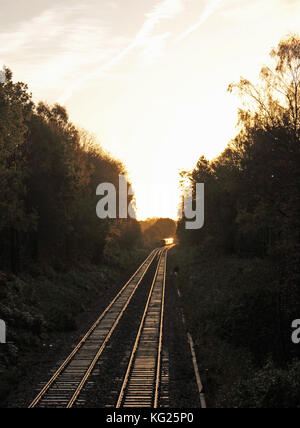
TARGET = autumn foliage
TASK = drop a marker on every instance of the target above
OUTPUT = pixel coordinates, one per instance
(49, 172)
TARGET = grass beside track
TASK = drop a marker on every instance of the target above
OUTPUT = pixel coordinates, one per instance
(42, 303)
(231, 309)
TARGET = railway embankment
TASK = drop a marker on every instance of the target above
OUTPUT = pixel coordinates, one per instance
(241, 332)
(45, 311)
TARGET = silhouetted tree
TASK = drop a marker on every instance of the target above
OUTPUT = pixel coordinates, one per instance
(252, 203)
(49, 172)
(15, 111)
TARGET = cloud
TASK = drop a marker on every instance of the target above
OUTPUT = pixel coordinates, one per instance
(27, 31)
(208, 11)
(58, 46)
(153, 45)
(155, 48)
(164, 10)
(62, 48)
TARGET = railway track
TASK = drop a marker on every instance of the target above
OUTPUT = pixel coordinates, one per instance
(141, 384)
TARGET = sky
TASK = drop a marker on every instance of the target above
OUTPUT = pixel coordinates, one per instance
(148, 78)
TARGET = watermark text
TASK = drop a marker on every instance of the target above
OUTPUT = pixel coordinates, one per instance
(2, 76)
(2, 332)
(115, 203)
(296, 332)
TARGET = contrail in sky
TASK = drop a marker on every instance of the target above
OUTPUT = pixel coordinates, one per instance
(166, 9)
(208, 11)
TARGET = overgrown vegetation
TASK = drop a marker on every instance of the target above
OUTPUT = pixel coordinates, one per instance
(242, 292)
(155, 230)
(49, 173)
(55, 253)
(38, 305)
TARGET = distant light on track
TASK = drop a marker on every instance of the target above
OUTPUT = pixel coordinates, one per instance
(169, 241)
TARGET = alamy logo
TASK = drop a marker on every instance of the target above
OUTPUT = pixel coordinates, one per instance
(2, 76)
(107, 207)
(196, 214)
(296, 332)
(2, 332)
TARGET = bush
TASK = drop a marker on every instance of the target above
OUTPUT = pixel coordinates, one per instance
(33, 306)
(269, 387)
(231, 306)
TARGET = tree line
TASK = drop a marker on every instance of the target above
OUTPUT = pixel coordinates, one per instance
(156, 229)
(252, 200)
(49, 172)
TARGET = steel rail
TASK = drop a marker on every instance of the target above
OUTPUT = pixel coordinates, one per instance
(70, 358)
(158, 370)
(146, 373)
(94, 362)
